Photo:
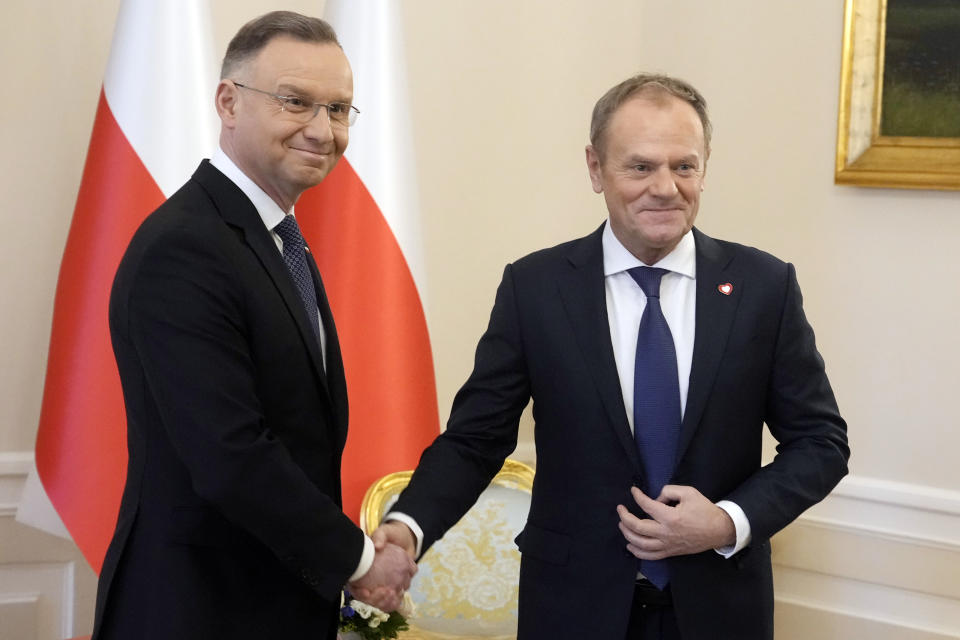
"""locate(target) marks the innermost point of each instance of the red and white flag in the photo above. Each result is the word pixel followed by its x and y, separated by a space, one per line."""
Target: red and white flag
pixel 362 224
pixel 154 121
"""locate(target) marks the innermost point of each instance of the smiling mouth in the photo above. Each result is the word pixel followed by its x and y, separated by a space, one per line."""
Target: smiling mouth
pixel 311 152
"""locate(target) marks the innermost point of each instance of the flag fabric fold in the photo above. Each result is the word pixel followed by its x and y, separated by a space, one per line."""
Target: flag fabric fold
pixel 153 122
pixel 362 224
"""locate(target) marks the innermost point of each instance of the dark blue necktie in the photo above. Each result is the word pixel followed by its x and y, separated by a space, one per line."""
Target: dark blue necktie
pixel 294 254
pixel 656 401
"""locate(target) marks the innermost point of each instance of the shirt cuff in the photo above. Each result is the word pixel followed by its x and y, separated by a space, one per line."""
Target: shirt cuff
pixel 366 559
pixel 740 524
pixel 410 522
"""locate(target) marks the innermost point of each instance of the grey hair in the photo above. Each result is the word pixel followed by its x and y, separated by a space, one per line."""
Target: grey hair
pixel 256 34
pixel 644 83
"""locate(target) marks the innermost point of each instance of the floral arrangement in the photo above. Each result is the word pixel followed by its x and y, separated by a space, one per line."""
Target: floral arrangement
pixel 367 622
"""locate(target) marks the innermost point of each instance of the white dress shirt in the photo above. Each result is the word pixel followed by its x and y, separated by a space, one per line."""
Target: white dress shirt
pixel 678 300
pixel 271 214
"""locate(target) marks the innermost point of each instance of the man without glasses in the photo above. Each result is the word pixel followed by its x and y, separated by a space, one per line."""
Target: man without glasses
pixel 654 355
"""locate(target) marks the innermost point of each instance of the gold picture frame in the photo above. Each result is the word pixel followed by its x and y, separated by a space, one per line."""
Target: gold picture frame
pixel 865 157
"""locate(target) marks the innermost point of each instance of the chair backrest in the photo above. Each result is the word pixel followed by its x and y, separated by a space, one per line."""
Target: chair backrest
pixel 468 580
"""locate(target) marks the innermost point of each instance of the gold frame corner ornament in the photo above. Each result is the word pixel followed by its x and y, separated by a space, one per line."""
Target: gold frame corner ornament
pixel 864 157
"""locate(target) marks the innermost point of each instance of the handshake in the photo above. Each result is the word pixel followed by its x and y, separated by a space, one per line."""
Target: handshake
pixel 384 584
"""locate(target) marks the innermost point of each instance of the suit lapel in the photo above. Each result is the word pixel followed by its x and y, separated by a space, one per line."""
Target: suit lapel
pixel 715 314
pixel 584 299
pixel 238 211
pixel 335 380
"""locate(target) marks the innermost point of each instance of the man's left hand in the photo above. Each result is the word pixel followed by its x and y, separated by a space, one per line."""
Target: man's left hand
pixel 682 521
pixel 386 580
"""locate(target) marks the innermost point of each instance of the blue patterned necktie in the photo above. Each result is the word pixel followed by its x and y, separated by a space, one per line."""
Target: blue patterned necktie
pixel 656 401
pixel 294 254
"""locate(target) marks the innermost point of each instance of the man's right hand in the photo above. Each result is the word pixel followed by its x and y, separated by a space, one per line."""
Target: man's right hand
pixel 389 576
pixel 395 532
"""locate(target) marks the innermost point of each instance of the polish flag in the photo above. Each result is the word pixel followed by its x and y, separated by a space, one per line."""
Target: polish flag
pixel 362 224
pixel 154 121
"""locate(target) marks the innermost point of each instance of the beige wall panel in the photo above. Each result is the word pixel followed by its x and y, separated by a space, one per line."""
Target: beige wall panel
pixel 18 617
pixel 792 621
pixel 54 54
pixel 873 557
pixel 36 564
pixel 502 93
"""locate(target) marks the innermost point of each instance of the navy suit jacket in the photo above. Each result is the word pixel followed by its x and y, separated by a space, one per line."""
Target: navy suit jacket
pixel 230 524
pixel 754 362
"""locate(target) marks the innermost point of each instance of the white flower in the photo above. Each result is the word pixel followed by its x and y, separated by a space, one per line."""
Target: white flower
pixel 362 608
pixel 407 608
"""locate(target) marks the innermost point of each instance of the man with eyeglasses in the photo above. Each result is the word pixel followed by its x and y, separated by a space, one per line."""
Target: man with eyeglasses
pixel 231 523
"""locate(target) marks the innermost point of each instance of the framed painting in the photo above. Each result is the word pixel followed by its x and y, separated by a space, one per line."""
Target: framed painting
pixel 899 122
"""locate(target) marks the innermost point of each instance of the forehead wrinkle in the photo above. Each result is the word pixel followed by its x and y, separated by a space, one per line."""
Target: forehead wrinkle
pixel 293 64
pixel 679 154
pixel 293 88
pixel 321 93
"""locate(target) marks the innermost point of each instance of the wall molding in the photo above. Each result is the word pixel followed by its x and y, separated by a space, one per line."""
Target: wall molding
pixel 895 511
pixel 800 619
pixel 14 467
pixel 15 462
pixel 48 589
pixel 877 559
pixel 915 496
pixel 831 603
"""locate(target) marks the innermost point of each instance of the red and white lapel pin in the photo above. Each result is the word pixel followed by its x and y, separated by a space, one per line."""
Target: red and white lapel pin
pixel 726 288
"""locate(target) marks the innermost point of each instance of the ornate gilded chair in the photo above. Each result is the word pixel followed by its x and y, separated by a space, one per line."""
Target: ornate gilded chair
pixel 468 580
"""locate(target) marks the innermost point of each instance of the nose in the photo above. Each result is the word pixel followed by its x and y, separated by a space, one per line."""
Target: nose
pixel 319 127
pixel 663 184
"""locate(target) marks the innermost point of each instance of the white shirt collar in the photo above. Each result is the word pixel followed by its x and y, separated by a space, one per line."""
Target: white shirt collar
pixel 269 210
pixel 617 258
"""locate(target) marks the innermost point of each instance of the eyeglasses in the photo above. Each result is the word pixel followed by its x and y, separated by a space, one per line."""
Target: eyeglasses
pixel 302 110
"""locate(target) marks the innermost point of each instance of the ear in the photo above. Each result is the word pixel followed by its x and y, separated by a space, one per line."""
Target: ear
pixel 227 103
pixel 703 176
pixel 595 168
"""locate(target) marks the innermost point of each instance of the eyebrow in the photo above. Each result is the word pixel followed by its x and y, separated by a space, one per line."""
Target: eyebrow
pixel 692 158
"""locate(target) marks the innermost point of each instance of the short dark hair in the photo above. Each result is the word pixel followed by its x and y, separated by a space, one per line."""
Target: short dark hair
pixel 645 83
pixel 254 36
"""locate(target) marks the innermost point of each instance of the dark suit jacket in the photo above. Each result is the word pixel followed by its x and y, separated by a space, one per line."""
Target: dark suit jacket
pixel 754 361
pixel 231 523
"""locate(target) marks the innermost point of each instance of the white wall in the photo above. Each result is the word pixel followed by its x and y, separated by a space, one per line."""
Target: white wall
pixel 502 92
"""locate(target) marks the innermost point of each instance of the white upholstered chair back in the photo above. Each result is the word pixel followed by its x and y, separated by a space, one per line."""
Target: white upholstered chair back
pixel 467 584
